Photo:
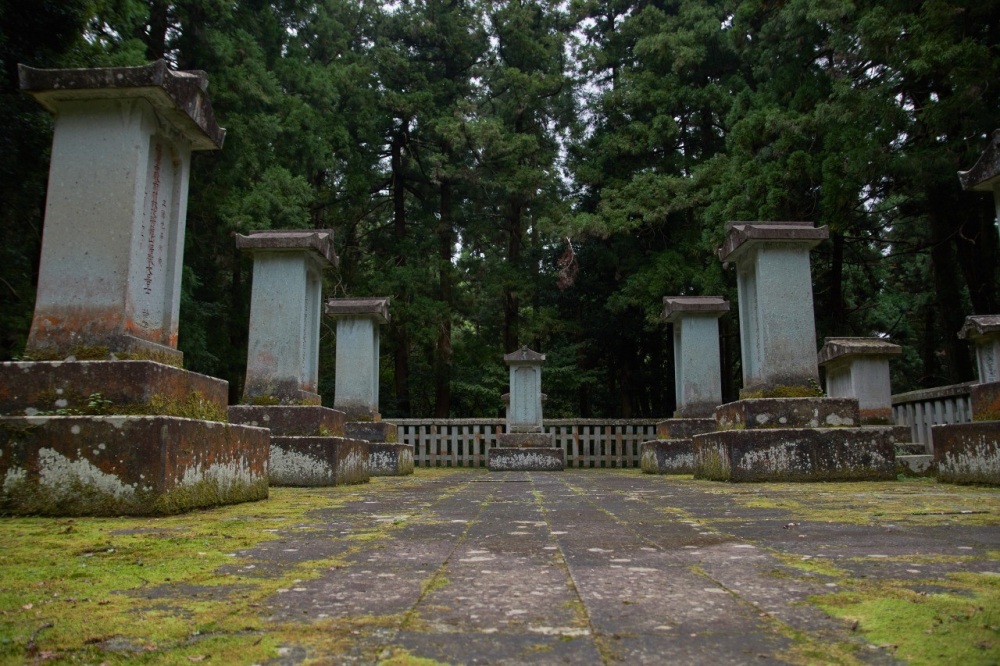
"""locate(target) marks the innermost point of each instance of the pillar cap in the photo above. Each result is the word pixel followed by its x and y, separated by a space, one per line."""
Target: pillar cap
pixel 178 96
pixel 318 242
pixel 743 234
pixel 985 175
pixel 977 326
pixel 835 348
pixel 675 307
pixel 376 308
pixel 524 356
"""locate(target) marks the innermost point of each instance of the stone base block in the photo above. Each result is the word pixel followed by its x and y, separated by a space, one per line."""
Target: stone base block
pixel 796 454
pixel 318 461
pixel 916 465
pixel 291 420
pixel 910 449
pixel 525 459
pixel 684 428
pixel 525 440
pixel 755 413
pixel 390 459
pixel 127 465
pixel 373 431
pixel 130 386
pixel 968 452
pixel 985 400
pixel 667 456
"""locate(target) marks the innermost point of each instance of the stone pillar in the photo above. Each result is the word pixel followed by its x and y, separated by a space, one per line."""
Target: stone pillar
pixel 984 332
pixel 356 390
pixel 697 379
pixel 107 437
pixel 285 308
pixel 777 327
pixel 110 271
pixel 859 368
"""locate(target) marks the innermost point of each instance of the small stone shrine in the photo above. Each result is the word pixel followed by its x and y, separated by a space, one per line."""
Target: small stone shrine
pixel 92 424
pixel 698 382
pixel 525 446
pixel 357 382
pixel 307 446
pixel 781 429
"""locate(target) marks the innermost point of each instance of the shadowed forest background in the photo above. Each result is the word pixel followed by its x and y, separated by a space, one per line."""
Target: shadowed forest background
pixel 543 173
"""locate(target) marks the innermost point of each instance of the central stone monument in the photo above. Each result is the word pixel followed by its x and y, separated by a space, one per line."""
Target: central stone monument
pixel 92 424
pixel 525 446
pixel 782 429
pixel 307 446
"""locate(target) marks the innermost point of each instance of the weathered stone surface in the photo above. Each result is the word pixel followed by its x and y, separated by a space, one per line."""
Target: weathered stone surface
pixel 376 308
pixel 968 452
pixel 985 401
pixel 318 461
pixel 667 456
pixel 290 420
pixel 373 431
pixel 758 413
pixel 916 465
pixel 318 242
pixel 145 386
pixel 697 373
pixel 526 440
pixel 524 407
pixel 358 340
pixel 683 428
pixel 859 368
pixel 984 332
pixel 796 454
pixel 115 465
pixel 739 234
pixel 519 459
pixel 385 459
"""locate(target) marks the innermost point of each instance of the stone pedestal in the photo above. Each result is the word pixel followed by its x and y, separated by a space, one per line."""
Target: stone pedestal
pixel 797 437
pixel 697 373
pixel 859 368
pixel 673 450
pixel 525 452
pixel 104 437
pixel 285 309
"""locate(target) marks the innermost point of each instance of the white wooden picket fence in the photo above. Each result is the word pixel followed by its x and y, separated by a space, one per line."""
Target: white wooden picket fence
pixel 921 409
pixel 464 442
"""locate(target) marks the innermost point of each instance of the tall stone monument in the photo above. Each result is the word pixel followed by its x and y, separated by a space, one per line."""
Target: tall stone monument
pixel 307 446
pixel 91 425
pixel 697 380
pixel 525 446
pixel 357 382
pixel 781 429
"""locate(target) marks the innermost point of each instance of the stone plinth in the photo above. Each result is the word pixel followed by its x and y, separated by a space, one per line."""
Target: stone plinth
pixel 683 428
pixel 110 272
pixel 697 373
pixel 318 461
pixel 285 308
pixel 801 454
pixel 859 368
pixel 525 459
pixel 373 431
pixel 667 456
pixel 127 465
pixel 984 332
pixel 387 459
pixel 524 413
pixel 526 440
pixel 125 387
pixel 777 330
pixel 357 382
pixel 763 413
pixel 290 420
pixel 968 452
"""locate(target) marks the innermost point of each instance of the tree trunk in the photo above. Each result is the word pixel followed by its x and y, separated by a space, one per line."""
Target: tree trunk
pixel 156 39
pixel 442 356
pixel 401 343
pixel 511 302
pixel 978 254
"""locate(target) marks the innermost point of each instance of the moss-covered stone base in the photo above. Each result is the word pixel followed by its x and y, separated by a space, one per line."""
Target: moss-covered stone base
pixel 387 459
pixel 525 459
pixel 318 461
pixel 968 452
pixel 291 420
pixel 760 413
pixel 127 465
pixel 667 456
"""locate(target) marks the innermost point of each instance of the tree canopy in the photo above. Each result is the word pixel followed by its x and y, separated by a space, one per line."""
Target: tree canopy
pixel 529 172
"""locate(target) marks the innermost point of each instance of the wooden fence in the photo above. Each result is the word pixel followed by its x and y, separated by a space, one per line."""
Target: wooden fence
pixel 921 409
pixel 464 442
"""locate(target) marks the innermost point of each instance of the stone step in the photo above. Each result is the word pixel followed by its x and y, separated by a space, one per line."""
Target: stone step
pixel 762 413
pixel 318 461
pixel 291 420
pixel 909 449
pixel 525 459
pixel 684 428
pixel 667 456
pixel 915 465
pixel 390 459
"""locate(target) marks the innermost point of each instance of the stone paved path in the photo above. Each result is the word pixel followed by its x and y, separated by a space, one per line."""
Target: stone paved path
pixel 607 566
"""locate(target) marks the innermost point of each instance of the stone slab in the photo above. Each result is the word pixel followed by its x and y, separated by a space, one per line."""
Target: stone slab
pixel 837 348
pixel 46 386
pixel 915 465
pixel 759 413
pixel 667 456
pixel 376 308
pixel 318 461
pixel 968 452
pixel 127 465
pixel 526 440
pixel 796 454
pixel 290 420
pixel 985 400
pixel 741 234
pixel 683 428
pixel 373 431
pixel 318 241
pixel 387 459
pixel 520 459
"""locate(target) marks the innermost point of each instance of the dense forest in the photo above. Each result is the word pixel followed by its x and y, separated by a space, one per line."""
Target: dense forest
pixel 529 172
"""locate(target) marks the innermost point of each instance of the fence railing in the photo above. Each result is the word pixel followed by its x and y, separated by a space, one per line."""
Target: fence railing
pixel 464 442
pixel 921 409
